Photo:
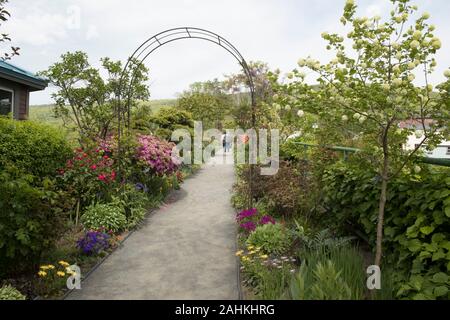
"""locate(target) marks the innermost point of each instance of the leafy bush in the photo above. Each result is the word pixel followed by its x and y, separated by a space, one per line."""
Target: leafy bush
pixel 271 238
pixel 104 216
pixel 417 224
pixel 32 148
pixel 29 220
pixel 10 293
pixel 285 193
pixel 171 119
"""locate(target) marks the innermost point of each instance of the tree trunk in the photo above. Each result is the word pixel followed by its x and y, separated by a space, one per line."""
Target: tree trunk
pixel 381 209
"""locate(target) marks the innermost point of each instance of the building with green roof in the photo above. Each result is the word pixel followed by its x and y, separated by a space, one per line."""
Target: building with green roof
pixel 15 87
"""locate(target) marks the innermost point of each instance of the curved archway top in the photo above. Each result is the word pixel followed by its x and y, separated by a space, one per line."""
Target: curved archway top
pixel 171 35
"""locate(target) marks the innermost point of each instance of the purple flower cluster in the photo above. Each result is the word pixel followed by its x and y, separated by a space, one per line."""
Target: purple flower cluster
pixel 157 154
pixel 94 242
pixel 249 219
pixel 267 220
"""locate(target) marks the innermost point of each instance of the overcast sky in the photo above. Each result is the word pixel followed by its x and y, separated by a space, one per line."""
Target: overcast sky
pixel 278 32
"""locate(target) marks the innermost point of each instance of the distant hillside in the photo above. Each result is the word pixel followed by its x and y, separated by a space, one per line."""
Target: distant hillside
pixel 44 113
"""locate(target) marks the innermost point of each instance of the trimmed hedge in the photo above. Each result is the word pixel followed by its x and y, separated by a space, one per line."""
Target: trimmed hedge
pixel 33 148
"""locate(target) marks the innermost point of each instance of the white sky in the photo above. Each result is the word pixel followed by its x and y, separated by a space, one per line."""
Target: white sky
pixel 278 32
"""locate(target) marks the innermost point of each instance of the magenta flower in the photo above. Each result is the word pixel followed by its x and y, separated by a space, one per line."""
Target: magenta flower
pixel 267 220
pixel 249 226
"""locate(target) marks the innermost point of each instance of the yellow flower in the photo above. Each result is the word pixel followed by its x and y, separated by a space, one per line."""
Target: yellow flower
pixel 60 274
pixel 44 268
pixel 51 267
pixel 264 256
pixel 64 263
pixel 239 253
pixel 252 252
pixel 250 247
pixel 42 274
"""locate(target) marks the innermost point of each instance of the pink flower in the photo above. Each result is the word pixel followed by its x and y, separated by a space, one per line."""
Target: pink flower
pixel 93 167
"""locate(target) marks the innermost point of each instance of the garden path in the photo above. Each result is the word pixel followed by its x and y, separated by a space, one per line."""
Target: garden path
pixel 185 250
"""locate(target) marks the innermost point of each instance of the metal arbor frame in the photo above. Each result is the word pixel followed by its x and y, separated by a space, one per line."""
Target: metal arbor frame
pixel 155 42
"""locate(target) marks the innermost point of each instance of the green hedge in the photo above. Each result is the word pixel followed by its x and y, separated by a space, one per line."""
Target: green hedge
pixel 30 156
pixel 29 221
pixel 33 148
pixel 417 223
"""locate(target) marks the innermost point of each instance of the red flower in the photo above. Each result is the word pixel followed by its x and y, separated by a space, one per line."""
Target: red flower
pixel 102 177
pixel 105 157
pixel 113 175
pixel 93 167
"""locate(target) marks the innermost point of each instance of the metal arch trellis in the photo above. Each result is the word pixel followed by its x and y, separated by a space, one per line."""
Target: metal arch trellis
pixel 152 44
pixel 155 42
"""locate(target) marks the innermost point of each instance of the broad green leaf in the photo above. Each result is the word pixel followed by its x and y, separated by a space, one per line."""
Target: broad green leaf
pixel 427 230
pixel 447 211
pixel 440 291
pixel 440 278
pixel 414 245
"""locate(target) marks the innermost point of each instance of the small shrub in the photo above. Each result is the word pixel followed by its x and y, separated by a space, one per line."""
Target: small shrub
pixel 104 216
pixel 271 238
pixel 10 293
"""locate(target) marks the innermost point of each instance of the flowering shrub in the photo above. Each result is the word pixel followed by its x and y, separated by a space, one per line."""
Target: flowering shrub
pixel 250 219
pixel 94 242
pixel 90 173
pixel 157 155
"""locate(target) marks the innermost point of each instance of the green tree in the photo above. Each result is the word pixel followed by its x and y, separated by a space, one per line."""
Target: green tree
pixel 170 119
pixel 370 87
pixel 88 101
pixel 205 107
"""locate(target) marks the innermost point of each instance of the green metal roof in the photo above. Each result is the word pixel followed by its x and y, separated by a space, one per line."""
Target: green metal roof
pixel 16 74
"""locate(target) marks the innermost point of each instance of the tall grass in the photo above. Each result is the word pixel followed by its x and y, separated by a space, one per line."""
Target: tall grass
pixel 347 262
